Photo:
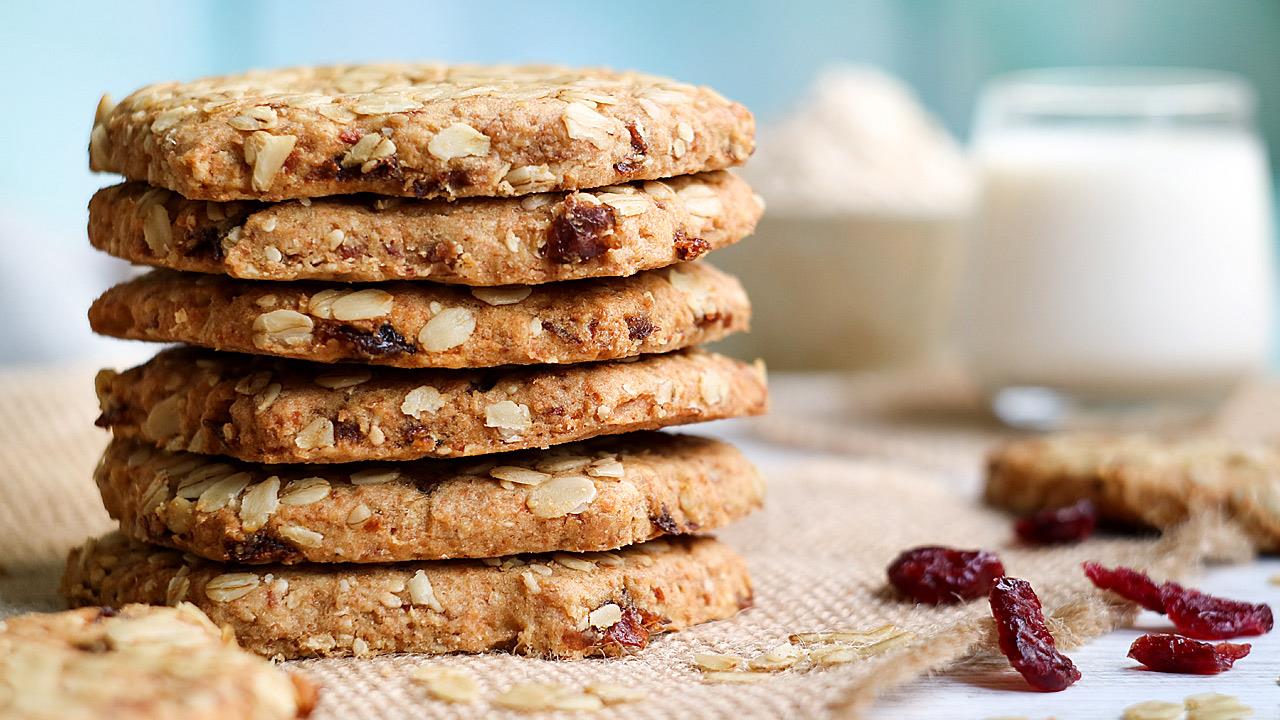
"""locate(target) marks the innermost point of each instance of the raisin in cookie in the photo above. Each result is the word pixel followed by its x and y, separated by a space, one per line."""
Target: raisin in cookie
pixel 596 495
pixel 549 237
pixel 278 411
pixel 425 325
pixel 1139 479
pixel 138 663
pixel 415 130
pixel 564 605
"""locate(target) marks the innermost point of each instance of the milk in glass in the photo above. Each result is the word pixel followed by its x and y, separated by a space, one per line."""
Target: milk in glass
pixel 1122 248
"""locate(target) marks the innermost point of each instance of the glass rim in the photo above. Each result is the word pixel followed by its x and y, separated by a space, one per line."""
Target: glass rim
pixel 1121 91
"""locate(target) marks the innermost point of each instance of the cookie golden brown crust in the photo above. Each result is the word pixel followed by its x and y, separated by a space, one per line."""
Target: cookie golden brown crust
pixel 424 325
pixel 138 663
pixel 415 130
pixel 596 495
pixel 265 410
pixel 1139 479
pixel 614 232
pixel 565 606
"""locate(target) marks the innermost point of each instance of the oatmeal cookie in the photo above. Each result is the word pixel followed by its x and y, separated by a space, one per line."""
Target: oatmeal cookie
pixel 1144 480
pixel 138 663
pixel 565 606
pixel 549 237
pixel 425 325
pixel 595 495
pixel 415 130
pixel 277 411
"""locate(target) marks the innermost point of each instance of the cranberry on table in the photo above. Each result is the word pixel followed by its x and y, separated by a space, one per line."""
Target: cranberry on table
pixel 940 575
pixel 1163 652
pixel 1128 583
pixel 1058 526
pixel 1206 617
pixel 1025 639
pixel 1192 612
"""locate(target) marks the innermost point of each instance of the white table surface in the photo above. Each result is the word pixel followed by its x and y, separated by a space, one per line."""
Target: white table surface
pixel 1111 681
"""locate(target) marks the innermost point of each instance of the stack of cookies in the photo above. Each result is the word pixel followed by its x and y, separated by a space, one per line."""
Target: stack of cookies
pixel 431 317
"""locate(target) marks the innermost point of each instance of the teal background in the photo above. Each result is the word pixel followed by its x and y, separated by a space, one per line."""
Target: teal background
pixel 62 55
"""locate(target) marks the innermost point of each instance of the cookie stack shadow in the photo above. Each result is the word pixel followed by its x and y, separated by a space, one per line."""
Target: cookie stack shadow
pixel 430 320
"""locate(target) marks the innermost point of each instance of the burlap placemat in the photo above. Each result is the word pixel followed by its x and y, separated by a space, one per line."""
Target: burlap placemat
pixel 817 554
pixel 936 419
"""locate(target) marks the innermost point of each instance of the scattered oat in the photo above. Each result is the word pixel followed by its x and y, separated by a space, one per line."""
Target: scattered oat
pixel 734 677
pixel 448 684
pixel 1153 710
pixel 711 662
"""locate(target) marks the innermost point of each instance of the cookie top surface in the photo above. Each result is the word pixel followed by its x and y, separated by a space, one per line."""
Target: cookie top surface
pixel 415 130
pixel 1143 479
pixel 140 662
pixel 427 325
pixel 596 495
pixel 266 410
pixel 548 237
pixel 562 605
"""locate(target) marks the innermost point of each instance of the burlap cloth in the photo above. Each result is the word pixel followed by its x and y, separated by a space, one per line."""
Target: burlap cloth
pixel 817 555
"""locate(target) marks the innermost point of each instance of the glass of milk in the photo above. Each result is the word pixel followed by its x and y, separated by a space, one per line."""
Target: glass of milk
pixel 1121 268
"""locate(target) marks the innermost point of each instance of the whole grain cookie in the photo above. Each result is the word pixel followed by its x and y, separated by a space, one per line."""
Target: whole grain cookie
pixel 564 605
pixel 278 411
pixel 550 237
pixel 1140 479
pixel 415 130
pixel 138 663
pixel 595 495
pixel 424 325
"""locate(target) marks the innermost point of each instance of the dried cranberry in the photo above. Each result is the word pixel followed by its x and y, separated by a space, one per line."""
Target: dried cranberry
pixel 1056 526
pixel 1025 639
pixel 1128 584
pixel 1173 654
pixel 940 575
pixel 1193 613
pixel 1198 615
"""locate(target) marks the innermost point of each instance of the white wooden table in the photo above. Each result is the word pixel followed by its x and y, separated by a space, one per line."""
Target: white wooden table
pixel 1111 680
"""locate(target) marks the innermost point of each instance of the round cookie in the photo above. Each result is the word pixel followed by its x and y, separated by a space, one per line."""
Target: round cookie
pixel 266 410
pixel 1144 480
pixel 596 495
pixel 424 325
pixel 550 237
pixel 565 606
pixel 415 130
pixel 138 663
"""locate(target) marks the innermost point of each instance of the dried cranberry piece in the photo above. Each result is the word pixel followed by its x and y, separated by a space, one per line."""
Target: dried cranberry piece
pixel 1128 584
pixel 1173 654
pixel 1198 615
pixel 1056 526
pixel 940 575
pixel 1025 639
pixel 1193 613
